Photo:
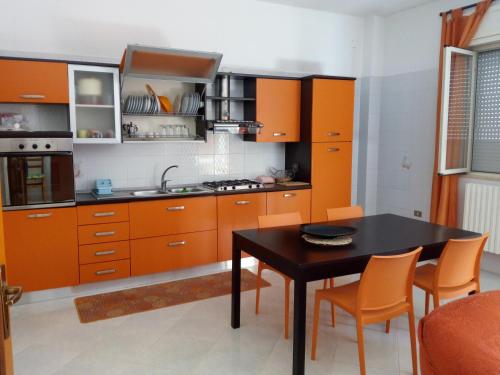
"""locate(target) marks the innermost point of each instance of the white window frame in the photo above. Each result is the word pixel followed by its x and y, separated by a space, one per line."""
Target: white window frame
pixel 443 136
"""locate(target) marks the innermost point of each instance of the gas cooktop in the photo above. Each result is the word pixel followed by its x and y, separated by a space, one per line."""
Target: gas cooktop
pixel 228 185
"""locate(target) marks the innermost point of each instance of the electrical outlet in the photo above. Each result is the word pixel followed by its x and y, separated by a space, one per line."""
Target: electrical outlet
pixel 417 213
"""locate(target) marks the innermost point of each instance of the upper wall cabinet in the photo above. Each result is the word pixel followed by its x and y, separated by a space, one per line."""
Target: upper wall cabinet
pixel 94 105
pixel 23 81
pixel 332 110
pixel 278 109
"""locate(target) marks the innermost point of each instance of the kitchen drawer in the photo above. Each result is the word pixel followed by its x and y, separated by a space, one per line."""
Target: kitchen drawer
pixel 98 233
pixel 41 248
pixel 24 81
pixel 117 269
pixel 102 213
pixel 282 202
pixel 104 252
pixel 172 216
pixel 159 254
pixel 237 212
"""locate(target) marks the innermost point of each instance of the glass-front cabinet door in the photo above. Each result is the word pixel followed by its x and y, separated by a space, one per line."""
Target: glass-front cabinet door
pixel 94 104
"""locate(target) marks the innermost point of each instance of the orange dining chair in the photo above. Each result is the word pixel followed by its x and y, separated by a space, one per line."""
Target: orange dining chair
pixel 271 221
pixel 456 273
pixel 383 292
pixel 342 213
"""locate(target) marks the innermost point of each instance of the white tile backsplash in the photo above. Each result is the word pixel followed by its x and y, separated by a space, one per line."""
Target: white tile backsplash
pixel 223 156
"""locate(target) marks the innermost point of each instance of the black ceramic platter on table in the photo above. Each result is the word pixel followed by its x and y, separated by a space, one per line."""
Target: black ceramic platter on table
pixel 327 231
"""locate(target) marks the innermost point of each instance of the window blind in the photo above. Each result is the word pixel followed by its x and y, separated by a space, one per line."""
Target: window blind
pixel 486 144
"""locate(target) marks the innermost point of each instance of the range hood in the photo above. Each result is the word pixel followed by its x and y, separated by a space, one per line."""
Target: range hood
pixel 234 126
pixel 145 62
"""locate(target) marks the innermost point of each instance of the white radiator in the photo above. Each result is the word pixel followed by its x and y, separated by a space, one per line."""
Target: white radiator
pixel 482 212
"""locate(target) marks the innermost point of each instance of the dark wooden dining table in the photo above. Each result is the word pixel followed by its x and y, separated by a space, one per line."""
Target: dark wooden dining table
pixel 283 249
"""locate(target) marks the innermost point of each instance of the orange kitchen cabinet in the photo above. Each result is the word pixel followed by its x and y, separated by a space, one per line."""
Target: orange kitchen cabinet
pixel 104 252
pixel 172 216
pixel 98 233
pixel 282 202
pixel 102 213
pixel 278 109
pixel 332 110
pixel 236 212
pixel 41 248
pixel 166 253
pixel 330 177
pixel 104 271
pixel 23 81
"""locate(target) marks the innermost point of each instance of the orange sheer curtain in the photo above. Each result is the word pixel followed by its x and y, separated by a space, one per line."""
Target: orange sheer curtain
pixel 457 30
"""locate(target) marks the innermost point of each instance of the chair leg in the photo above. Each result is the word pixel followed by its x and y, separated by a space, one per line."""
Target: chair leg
pixel 333 314
pixel 426 303
pixel 317 303
pixel 287 305
pixel 361 347
pixel 257 287
pixel 435 300
pixel 387 326
pixel 324 284
pixel 413 340
pixel 331 282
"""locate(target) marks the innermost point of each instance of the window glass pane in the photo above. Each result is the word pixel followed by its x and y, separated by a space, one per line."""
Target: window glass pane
pixel 459 111
pixel 486 146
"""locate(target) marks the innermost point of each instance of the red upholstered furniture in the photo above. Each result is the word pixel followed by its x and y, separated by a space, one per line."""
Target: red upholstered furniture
pixel 462 337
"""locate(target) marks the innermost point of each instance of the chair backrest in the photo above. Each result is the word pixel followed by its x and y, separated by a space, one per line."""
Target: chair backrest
pixel 342 213
pixel 280 220
pixel 460 262
pixel 387 281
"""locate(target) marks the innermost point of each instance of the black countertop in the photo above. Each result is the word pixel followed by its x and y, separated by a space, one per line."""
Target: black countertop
pixel 125 195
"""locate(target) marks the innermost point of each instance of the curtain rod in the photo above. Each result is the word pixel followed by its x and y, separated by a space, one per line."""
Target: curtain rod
pixel 463 8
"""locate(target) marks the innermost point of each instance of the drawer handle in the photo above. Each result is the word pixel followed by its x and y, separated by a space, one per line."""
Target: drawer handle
pixel 105 272
pixel 176 208
pixel 32 96
pixel 242 203
pixel 177 243
pixel 279 134
pixel 40 216
pixel 289 195
pixel 104 214
pixel 105 234
pixel 333 134
pixel 105 252
pixel 333 149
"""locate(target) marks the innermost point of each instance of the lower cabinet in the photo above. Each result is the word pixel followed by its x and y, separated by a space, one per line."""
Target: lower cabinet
pixel 104 271
pixel 166 253
pixel 283 202
pixel 41 248
pixel 237 212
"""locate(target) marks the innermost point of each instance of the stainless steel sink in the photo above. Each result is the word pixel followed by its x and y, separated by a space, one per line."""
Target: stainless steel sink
pixel 148 193
pixel 187 190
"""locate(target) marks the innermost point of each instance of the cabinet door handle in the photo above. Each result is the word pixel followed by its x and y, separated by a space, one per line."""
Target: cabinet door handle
pixel 333 134
pixel 104 214
pixel 105 252
pixel 105 272
pixel 40 216
pixel 289 195
pixel 333 149
pixel 177 243
pixel 105 234
pixel 242 203
pixel 32 96
pixel 176 208
pixel 279 134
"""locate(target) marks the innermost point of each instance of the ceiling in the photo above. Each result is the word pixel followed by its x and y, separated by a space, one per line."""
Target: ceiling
pixel 355 7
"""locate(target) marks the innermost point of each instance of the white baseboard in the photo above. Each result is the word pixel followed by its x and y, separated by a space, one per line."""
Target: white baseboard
pixel 131 282
pixel 491 262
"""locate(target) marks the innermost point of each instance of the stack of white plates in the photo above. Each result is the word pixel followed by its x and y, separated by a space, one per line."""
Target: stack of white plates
pixel 188 104
pixel 145 104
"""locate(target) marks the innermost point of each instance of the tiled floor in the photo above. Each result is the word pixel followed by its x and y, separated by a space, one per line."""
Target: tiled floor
pixel 196 338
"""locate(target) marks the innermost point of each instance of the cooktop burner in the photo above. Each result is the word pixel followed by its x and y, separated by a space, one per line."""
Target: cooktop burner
pixel 227 185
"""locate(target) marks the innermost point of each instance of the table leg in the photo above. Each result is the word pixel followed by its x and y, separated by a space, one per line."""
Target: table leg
pixel 299 326
pixel 236 285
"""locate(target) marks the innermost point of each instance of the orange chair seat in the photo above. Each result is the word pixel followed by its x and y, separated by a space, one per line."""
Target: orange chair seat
pixel 424 279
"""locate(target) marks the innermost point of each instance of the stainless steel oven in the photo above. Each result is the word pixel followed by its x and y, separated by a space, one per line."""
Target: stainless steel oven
pixel 36 169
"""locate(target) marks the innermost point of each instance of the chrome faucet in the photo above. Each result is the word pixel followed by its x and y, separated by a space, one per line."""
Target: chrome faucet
pixel 163 182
